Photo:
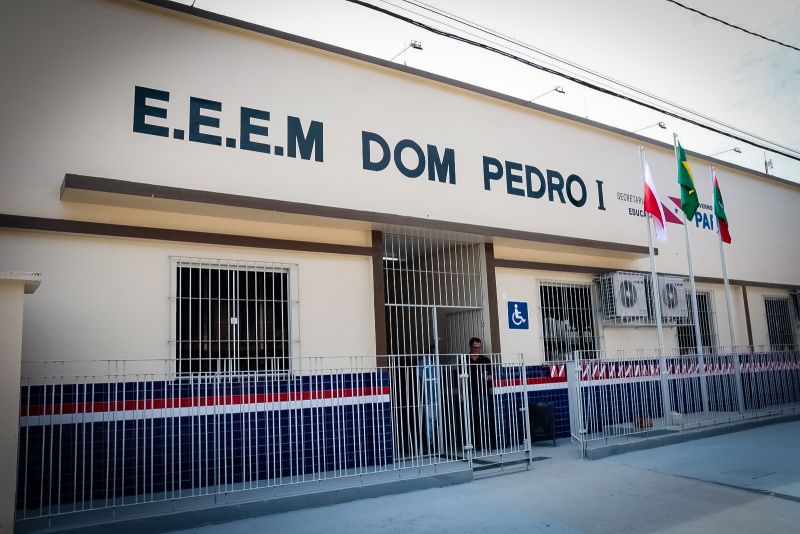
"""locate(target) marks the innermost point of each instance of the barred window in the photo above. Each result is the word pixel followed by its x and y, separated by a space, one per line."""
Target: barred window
pixel 231 316
pixel 779 324
pixel 568 323
pixel 687 341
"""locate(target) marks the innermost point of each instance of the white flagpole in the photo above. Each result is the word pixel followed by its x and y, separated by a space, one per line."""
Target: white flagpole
pixel 724 271
pixel 734 348
pixel 666 401
pixel 701 363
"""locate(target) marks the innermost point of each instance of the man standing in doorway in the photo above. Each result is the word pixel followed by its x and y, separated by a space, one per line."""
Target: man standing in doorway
pixel 480 384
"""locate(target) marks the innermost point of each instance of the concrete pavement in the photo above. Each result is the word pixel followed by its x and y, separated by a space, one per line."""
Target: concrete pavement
pixel 687 487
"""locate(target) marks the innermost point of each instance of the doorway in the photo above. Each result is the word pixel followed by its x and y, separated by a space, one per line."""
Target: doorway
pixel 434 298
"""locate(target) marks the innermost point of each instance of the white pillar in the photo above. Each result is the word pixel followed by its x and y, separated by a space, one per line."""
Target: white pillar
pixel 13 287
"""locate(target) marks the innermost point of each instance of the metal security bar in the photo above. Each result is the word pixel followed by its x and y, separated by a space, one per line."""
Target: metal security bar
pixel 99 436
pixel 433 294
pixel 687 341
pixel 458 411
pixel 495 404
pixel 613 400
pixel 233 315
pixel 424 271
pixel 780 323
pixel 434 304
pixel 568 323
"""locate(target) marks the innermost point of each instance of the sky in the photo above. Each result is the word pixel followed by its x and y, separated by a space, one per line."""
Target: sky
pixel 652 45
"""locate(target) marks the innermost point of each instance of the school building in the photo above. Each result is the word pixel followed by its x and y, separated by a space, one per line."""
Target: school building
pixel 254 262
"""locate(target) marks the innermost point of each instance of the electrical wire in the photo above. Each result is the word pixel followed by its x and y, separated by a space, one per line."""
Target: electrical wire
pixel 745 30
pixel 571 78
pixel 522 44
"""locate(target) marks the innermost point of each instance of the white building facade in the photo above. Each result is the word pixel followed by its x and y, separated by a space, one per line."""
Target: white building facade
pixel 204 196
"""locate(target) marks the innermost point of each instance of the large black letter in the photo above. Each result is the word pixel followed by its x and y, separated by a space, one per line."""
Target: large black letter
pixel 575 179
pixel 555 182
pixel 398 158
pixel 142 110
pixel 443 167
pixel 366 161
pixel 534 193
pixel 197 119
pixel 295 139
pixel 246 128
pixel 600 204
pixel 489 175
pixel 512 178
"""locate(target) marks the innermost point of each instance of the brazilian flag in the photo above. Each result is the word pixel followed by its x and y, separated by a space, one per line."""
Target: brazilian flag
pixel 689 200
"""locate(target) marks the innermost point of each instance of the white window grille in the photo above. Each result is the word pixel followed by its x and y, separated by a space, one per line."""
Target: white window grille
pixel 433 294
pixel 780 323
pixel 424 271
pixel 687 340
pixel 233 316
pixel 568 322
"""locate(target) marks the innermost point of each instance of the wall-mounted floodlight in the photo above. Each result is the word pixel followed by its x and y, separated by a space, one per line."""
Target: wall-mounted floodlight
pixel 556 89
pixel 734 149
pixel 660 124
pixel 416 45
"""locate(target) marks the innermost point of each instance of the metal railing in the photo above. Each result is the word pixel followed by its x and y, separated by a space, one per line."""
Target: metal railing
pixel 111 434
pixel 613 400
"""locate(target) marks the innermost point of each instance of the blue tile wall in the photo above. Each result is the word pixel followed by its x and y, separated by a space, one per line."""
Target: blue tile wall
pixel 68 463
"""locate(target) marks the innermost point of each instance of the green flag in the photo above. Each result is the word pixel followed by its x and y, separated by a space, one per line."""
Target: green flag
pixel 689 200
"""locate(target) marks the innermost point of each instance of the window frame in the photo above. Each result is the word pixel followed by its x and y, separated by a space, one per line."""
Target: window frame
pixel 233 362
pixel 713 334
pixel 790 319
pixel 590 311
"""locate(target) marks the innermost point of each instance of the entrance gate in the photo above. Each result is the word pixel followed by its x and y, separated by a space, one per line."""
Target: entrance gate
pixel 444 407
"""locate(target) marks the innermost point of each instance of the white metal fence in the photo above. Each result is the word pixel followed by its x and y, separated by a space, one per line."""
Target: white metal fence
pixel 613 400
pixel 107 435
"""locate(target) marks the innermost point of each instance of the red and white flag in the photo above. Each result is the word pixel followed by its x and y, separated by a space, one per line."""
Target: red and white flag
pixel 652 204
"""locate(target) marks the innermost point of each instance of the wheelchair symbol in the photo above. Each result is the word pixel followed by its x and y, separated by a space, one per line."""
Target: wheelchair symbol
pixel 517 317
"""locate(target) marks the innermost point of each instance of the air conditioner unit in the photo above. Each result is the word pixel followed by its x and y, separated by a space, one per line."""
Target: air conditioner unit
pixel 624 296
pixel 672 292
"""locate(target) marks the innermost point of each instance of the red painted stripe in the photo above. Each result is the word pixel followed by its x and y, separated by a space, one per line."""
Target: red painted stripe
pixel 547 380
pixel 530 381
pixel 189 402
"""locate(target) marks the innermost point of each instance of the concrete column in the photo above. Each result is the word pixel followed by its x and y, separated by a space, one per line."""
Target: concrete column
pixel 13 286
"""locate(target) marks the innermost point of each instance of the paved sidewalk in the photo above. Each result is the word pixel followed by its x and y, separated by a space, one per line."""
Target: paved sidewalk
pixel 764 459
pixel 677 488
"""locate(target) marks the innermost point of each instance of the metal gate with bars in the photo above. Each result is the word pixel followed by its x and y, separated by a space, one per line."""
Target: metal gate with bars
pixel 434 299
pixel 617 400
pixel 433 295
pixel 127 438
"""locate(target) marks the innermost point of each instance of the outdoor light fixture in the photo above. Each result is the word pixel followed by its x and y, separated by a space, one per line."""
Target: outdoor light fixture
pixel 556 89
pixel 734 149
pixel 416 45
pixel 767 164
pixel 660 124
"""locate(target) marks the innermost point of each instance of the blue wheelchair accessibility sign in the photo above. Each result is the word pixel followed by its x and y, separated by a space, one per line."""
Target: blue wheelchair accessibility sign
pixel 517 315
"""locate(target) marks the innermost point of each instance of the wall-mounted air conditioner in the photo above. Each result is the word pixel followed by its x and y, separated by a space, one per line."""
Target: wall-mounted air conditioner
pixel 672 293
pixel 623 297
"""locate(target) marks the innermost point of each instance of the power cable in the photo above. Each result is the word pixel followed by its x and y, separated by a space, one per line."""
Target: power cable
pixel 568 77
pixel 522 44
pixel 745 30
